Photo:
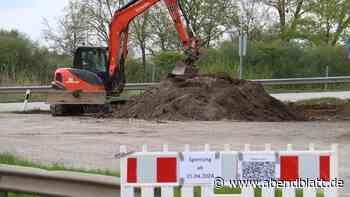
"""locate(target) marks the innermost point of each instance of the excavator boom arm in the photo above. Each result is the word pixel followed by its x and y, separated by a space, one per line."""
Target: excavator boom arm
pixel 118 41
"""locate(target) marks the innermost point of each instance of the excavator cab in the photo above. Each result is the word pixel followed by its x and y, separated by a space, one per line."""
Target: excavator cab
pixel 93 59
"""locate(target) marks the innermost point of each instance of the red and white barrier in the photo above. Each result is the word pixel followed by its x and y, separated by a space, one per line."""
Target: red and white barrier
pixel 168 170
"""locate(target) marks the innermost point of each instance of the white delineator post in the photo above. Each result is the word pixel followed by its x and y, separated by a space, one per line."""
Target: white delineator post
pixel 26 99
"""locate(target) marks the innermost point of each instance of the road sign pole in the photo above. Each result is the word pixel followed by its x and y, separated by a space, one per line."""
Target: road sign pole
pixel 154 73
pixel 327 75
pixel 242 53
pixel 241 60
pixel 348 48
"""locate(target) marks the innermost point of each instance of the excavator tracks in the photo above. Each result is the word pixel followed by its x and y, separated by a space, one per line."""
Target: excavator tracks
pixel 78 110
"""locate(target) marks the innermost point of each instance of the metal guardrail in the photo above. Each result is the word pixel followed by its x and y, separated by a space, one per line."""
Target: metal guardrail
pixel 56 183
pixel 138 86
pixel 142 86
pixel 306 81
pixel 47 89
pixel 23 89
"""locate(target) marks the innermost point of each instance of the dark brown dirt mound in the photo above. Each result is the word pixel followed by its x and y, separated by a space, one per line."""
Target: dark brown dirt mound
pixel 206 98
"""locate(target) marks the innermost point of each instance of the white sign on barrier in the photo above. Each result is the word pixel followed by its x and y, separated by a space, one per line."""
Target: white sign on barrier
pixel 199 168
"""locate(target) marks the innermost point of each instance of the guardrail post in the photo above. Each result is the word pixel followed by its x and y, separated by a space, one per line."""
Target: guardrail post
pixel 3 194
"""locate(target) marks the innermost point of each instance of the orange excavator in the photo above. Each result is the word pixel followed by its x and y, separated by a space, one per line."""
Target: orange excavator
pixel 100 71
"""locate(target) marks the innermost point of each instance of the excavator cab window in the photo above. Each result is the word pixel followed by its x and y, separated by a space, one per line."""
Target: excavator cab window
pixel 91 59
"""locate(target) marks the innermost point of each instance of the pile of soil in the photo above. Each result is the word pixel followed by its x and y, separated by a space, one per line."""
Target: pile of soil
pixel 207 98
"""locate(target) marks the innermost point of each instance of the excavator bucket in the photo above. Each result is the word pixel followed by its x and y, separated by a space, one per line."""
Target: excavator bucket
pixel 180 68
pixel 184 71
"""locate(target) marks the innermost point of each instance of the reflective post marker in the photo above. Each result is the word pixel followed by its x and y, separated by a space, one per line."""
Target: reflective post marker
pixel 26 99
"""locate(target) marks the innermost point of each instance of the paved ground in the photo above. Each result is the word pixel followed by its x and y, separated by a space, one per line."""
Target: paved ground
pixel 10 107
pixel 92 143
pixel 311 95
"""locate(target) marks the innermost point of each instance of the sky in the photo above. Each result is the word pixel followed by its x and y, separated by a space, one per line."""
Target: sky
pixel 27 16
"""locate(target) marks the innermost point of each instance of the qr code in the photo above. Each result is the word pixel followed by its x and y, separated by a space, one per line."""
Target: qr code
pixel 258 171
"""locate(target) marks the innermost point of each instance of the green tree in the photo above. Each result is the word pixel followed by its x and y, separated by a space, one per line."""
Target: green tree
pixel 99 15
pixel 163 32
pixel 210 19
pixel 71 31
pixel 24 62
pixel 290 15
pixel 15 53
pixel 134 71
pixel 329 21
pixel 140 36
